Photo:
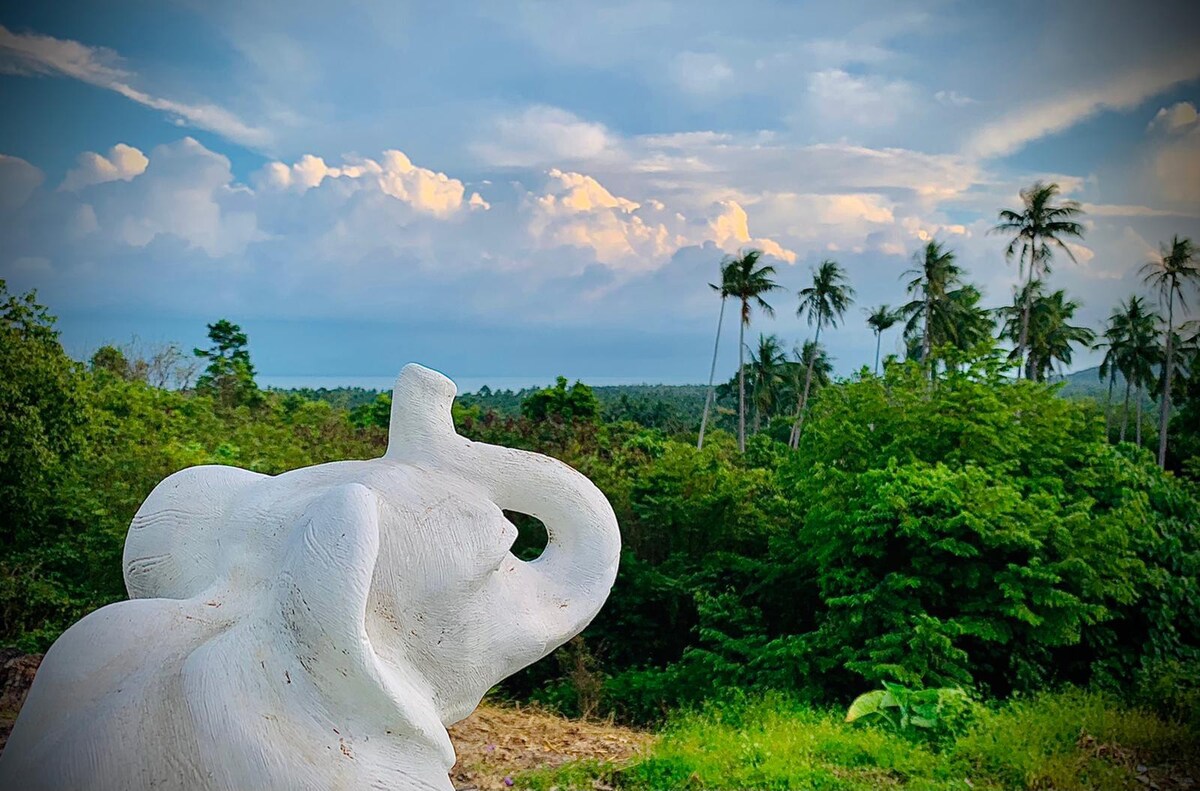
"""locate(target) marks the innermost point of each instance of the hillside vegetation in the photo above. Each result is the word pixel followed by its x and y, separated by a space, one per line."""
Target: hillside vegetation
pixel 969 532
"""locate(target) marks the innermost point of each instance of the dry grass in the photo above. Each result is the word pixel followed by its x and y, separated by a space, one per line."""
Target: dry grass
pixel 498 742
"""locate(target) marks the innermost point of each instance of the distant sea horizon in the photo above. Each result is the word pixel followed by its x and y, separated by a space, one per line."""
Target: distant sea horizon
pixel 466 384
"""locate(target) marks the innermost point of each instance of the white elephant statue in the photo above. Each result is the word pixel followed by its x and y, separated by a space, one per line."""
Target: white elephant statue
pixel 318 629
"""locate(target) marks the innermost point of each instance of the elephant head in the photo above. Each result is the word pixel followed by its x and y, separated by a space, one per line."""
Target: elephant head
pixel 360 606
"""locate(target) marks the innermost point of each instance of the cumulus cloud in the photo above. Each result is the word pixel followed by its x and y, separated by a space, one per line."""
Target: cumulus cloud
pixel 34 54
pixel 122 163
pixel 18 180
pixel 542 135
pixel 186 192
pixel 1174 119
pixel 576 210
pixel 394 175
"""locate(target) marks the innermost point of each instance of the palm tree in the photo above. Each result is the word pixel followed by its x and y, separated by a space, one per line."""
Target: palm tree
pixel 1039 224
pixel 932 312
pixel 723 291
pixel 766 366
pixel 1137 352
pixel 822 303
pixel 747 281
pixel 880 320
pixel 1175 265
pixel 1113 335
pixel 1051 336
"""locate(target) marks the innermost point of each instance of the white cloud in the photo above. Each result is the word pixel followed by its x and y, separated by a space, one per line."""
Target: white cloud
pixel 730 230
pixel 1119 210
pixel 33 54
pixel 953 99
pixel 1177 169
pixel 541 135
pixel 578 211
pixel 186 192
pixel 122 163
pixel 701 73
pixel 395 175
pixel 862 100
pixel 1174 119
pixel 1025 124
pixel 18 180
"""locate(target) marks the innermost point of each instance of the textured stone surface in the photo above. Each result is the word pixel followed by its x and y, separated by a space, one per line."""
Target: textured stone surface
pixel 321 628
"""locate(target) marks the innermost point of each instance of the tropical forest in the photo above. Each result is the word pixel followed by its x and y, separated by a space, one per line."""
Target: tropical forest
pixel 954 568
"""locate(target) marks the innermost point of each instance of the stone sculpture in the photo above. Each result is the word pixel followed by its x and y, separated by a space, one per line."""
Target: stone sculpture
pixel 318 629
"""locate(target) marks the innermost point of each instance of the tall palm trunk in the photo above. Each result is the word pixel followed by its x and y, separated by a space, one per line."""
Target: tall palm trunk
pixel 1125 409
pixel 1138 425
pixel 712 372
pixel 1168 369
pixel 742 378
pixel 878 339
pixel 1025 308
pixel 812 359
pixel 1112 377
pixel 927 340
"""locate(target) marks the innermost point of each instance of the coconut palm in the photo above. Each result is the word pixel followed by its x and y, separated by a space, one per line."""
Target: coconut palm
pixel 931 314
pixel 880 320
pixel 1039 224
pixel 747 282
pixel 1136 353
pixel 822 303
pixel 723 291
pixel 766 374
pixel 1175 266
pixel 1111 343
pixel 811 366
pixel 1051 335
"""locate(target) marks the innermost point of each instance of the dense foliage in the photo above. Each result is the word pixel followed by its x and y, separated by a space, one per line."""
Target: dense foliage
pixel 963 530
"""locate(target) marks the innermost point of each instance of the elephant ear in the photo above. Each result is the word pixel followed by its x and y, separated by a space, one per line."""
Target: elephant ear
pixel 321 593
pixel 173 541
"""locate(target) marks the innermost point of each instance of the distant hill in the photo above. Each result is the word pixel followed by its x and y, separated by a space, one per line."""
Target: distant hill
pixel 1088 384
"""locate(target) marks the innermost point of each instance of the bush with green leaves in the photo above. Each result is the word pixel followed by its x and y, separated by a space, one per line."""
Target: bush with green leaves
pixel 936 715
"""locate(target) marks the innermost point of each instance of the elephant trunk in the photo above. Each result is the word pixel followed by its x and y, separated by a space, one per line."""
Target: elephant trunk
pixel 572 578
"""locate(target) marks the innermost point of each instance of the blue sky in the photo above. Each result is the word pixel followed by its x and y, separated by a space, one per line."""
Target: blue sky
pixel 517 190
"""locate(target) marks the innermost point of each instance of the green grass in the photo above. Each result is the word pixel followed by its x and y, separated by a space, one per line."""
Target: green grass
pixel 1065 741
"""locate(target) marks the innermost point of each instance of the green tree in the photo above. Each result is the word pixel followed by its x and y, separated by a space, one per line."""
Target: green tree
pixel 934 312
pixel 822 303
pixel 1038 224
pixel 567 404
pixel 766 371
pixel 746 280
pixel 42 418
pixel 111 359
pixel 727 279
pixel 880 320
pixel 230 374
pixel 1137 357
pixel 1175 266
pixel 1109 365
pixel 1051 337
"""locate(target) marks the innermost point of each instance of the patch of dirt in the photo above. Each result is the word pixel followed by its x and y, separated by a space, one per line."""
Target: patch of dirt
pixel 16 675
pixel 496 742
pixel 493 744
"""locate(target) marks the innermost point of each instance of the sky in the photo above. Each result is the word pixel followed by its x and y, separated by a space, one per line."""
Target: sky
pixel 514 190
